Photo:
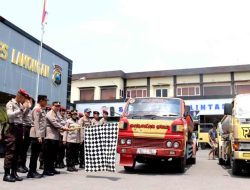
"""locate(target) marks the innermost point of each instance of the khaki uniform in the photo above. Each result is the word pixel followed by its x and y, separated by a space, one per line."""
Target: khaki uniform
pixel 73 139
pixel 38 130
pixel 14 134
pixel 103 121
pixel 39 122
pixel 51 140
pixel 84 121
pixel 95 122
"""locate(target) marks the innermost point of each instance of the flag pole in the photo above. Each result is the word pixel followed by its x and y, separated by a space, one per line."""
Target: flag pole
pixel 40 52
pixel 38 65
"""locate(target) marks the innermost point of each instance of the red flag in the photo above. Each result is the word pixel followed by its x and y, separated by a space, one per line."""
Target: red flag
pixel 44 12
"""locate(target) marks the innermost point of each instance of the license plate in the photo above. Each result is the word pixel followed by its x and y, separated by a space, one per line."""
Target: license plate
pixel 146 151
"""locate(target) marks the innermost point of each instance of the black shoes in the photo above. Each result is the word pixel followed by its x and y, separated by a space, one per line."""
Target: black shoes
pixel 70 169
pixel 48 173
pixel 55 172
pixel 7 177
pixel 34 175
pixel 15 176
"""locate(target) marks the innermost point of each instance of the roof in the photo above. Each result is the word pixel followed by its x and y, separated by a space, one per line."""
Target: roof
pixel 162 73
pixel 22 32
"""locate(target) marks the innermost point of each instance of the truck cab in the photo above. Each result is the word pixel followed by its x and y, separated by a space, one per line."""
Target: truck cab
pixel 156 129
pixel 235 126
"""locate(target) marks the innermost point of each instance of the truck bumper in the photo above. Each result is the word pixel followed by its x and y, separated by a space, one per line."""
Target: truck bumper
pixel 242 155
pixel 128 155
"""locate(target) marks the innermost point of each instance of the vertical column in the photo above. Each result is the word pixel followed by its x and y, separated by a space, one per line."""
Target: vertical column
pixel 174 85
pixel 201 85
pixel 233 84
pixel 148 86
pixel 124 89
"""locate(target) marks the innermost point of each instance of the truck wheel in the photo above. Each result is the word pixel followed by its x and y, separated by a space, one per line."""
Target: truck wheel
pixel 129 168
pixel 181 163
pixel 221 161
pixel 236 167
pixel 203 146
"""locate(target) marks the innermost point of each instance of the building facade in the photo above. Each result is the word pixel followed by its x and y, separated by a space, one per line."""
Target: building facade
pixel 19 66
pixel 206 90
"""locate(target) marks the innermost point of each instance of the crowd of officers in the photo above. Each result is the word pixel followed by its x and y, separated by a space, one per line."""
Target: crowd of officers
pixel 49 132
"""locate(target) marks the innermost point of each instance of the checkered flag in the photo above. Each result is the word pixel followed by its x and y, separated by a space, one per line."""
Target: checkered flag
pixel 100 147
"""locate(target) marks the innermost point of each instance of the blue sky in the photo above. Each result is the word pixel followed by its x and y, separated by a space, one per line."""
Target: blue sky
pixel 139 35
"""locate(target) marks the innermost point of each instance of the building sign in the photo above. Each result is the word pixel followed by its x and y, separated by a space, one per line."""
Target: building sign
pixel 208 107
pixel 23 60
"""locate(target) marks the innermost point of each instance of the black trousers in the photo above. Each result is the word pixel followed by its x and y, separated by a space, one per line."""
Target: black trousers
pixel 50 152
pixel 71 153
pixel 35 151
pixel 25 146
pixel 61 151
pixel 81 151
pixel 13 144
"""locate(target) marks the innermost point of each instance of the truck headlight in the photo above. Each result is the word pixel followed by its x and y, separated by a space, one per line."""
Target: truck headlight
pixel 176 145
pixel 123 141
pixel 169 144
pixel 129 142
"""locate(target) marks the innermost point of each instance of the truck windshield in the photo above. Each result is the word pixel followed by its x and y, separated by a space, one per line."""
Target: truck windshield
pixel 152 108
pixel 242 107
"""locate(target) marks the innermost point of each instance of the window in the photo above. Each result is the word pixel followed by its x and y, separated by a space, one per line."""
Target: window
pixel 188 91
pixel 134 93
pixel 87 93
pixel 162 92
pixel 242 89
pixel 108 93
pixel 217 90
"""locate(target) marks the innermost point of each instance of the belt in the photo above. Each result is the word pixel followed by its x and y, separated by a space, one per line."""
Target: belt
pixel 16 124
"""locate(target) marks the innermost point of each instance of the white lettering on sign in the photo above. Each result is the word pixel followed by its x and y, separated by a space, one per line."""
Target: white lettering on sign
pixel 208 107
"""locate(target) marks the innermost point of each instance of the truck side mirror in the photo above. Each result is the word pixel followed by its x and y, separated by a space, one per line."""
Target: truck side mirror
pixel 186 111
pixel 112 111
pixel 227 109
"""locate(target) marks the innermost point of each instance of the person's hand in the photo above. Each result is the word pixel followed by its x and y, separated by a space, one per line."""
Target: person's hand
pixel 40 140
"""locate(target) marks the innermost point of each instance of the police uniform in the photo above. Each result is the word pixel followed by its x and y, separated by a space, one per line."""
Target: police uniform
pixel 27 123
pixel 51 142
pixel 72 139
pixel 61 149
pixel 37 131
pixel 14 136
pixel 84 121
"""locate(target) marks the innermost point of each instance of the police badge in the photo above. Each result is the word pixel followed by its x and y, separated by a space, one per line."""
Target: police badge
pixel 57 75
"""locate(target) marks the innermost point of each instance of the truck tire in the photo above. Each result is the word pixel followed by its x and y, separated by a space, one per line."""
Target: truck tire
pixel 236 167
pixel 221 161
pixel 180 165
pixel 129 168
pixel 203 146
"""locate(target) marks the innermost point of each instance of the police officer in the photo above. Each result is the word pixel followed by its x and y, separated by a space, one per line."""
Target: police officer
pixel 61 149
pixel 27 122
pixel 104 119
pixel 96 119
pixel 37 134
pixel 72 140
pixel 53 129
pixel 14 135
pixel 84 121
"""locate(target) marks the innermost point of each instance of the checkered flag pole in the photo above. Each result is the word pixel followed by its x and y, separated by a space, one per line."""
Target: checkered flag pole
pixel 100 147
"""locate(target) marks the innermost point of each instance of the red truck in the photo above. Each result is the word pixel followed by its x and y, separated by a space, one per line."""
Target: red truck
pixel 153 129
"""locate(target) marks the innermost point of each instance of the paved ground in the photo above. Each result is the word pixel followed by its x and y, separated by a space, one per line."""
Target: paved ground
pixel 206 174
